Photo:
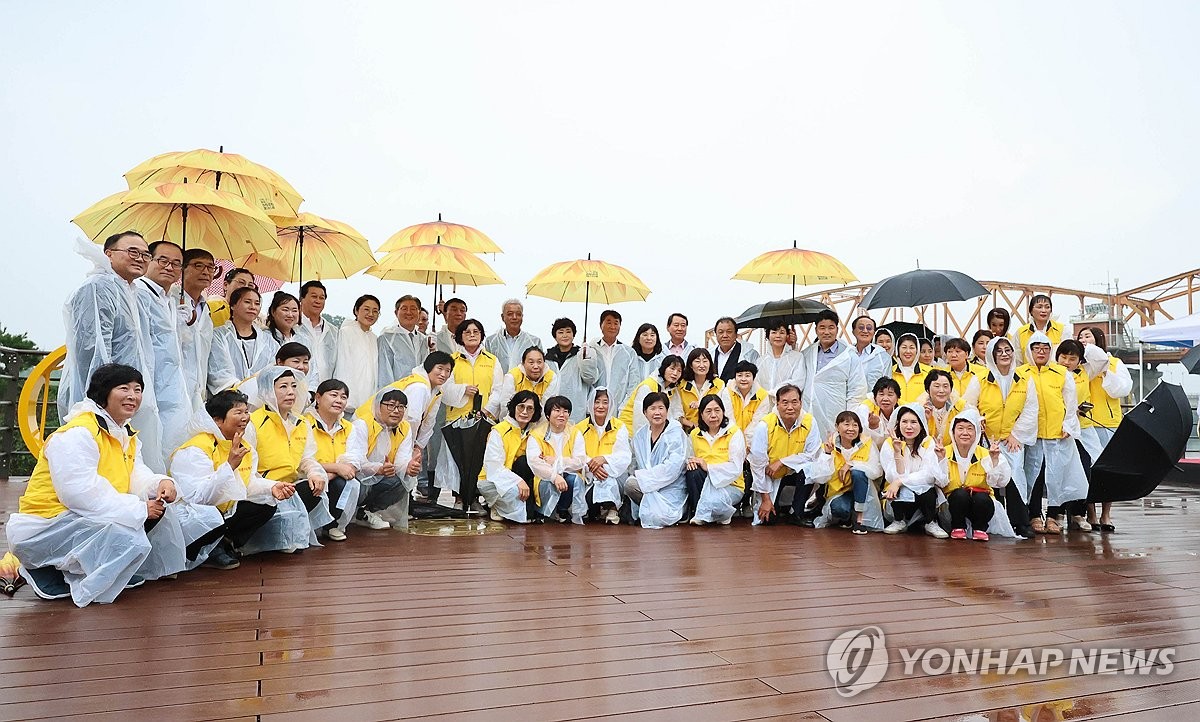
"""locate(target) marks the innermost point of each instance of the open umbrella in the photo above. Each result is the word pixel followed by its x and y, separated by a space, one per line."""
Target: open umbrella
pixel 792 311
pixel 10 577
pixel 922 287
pixel 258 185
pixel 1191 360
pixel 795 265
pixel 585 281
pixel 439 231
pixel 335 250
pixel 1149 442
pixel 899 328
pixel 431 265
pixel 190 214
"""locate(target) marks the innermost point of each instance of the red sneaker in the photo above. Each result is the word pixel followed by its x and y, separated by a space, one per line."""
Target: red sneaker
pixel 979 536
pixel 958 533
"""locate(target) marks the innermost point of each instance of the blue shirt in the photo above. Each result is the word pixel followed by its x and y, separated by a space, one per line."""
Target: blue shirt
pixel 824 357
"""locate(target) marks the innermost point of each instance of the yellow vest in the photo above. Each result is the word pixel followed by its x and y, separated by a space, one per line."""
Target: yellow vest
pixel 481 373
pixel 514 440
pixel 911 389
pixel 329 446
pixel 976 475
pixel 716 452
pixel 689 394
pixel 1083 394
pixel 835 487
pixel 743 411
pixel 979 369
pixel 116 466
pixel 366 410
pixel 218 311
pixel 782 443
pixel 1106 412
pixel 955 408
pixel 1053 330
pixel 627 413
pixel 279 453
pixel 1000 414
pixel 1052 410
pixel 218 450
pixel 524 383
pixel 963 380
pixel 398 434
pixel 549 452
pixel 599 441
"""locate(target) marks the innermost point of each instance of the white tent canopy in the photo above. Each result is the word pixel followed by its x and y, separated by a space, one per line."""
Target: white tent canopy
pixel 1186 329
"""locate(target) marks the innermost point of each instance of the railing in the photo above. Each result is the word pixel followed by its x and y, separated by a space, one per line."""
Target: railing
pixel 15 365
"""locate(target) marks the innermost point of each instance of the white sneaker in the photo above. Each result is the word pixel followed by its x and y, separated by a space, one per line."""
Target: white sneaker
pixel 895 527
pixel 935 530
pixel 1078 522
pixel 695 522
pixel 371 520
pixel 336 534
pixel 495 514
pixel 727 522
pixel 612 516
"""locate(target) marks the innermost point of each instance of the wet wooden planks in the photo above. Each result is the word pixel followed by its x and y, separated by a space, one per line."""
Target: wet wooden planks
pixel 562 623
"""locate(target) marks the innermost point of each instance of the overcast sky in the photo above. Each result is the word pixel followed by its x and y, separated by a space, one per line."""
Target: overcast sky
pixel 1037 142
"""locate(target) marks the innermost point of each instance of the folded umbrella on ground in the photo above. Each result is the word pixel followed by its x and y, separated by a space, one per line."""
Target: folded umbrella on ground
pixel 1149 442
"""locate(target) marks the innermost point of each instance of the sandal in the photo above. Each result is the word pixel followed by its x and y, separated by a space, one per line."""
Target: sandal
pixel 1038 525
pixel 1106 527
pixel 1053 526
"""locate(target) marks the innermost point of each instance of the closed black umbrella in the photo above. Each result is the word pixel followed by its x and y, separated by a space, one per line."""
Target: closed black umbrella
pixel 921 287
pixel 899 328
pixel 466 442
pixel 791 311
pixel 1191 360
pixel 1149 442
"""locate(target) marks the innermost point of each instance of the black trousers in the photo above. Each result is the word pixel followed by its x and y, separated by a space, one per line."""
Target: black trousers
pixel 521 468
pixel 976 506
pixel 926 503
pixel 304 490
pixel 246 519
pixel 694 480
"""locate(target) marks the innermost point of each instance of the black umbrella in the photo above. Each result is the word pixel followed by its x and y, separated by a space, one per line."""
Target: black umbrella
pixel 790 311
pixel 466 441
pixel 899 328
pixel 1149 442
pixel 921 287
pixel 1191 360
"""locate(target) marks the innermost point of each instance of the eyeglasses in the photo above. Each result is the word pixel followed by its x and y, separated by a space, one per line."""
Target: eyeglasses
pixel 392 405
pixel 1004 352
pixel 201 266
pixel 526 407
pixel 135 254
pixel 168 263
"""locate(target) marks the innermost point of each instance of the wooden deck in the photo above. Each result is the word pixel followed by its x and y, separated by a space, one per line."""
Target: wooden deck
pixel 559 623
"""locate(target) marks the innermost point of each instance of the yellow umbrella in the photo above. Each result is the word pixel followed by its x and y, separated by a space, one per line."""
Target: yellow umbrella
pixel 256 184
pixel 189 214
pixel 335 250
pixel 586 280
pixel 448 234
pixel 434 264
pixel 795 265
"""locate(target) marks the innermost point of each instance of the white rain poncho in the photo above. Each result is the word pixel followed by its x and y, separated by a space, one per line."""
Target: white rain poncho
pixel 997 478
pixel 839 385
pixel 659 472
pixel 399 352
pixel 99 543
pixel 508 350
pixel 619 377
pixel 920 470
pixel 368 458
pixel 500 488
pixel 562 460
pixel 508 389
pixel 322 343
pixel 649 366
pixel 616 464
pixel 876 364
pixel 357 361
pixel 759 457
pixel 351 493
pixel 719 496
pixel 1116 385
pixel 319 516
pixel 1064 477
pixel 104 324
pixel 1025 428
pixel 160 312
pixel 276 342
pixel 775 372
pixel 822 471
pixel 195 341
pixel 576 376
pixel 231 359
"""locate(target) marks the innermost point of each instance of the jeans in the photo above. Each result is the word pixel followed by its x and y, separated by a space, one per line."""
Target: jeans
pixel 844 506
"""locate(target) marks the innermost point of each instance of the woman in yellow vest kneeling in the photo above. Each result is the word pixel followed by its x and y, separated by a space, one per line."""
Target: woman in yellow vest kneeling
pixel 286 448
pixel 603 443
pixel 331 431
pixel 553 457
pixel 506 479
pixel 967 475
pixel 94 518
pixel 714 473
pixel 847 467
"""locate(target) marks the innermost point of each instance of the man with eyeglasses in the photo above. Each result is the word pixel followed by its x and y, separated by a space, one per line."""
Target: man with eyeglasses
pixel 195 326
pixel 105 325
pixel 159 316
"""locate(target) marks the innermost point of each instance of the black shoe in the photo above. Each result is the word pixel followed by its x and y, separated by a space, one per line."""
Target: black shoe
pixel 802 521
pixel 857 528
pixel 47 582
pixel 1027 532
pixel 134 581
pixel 221 558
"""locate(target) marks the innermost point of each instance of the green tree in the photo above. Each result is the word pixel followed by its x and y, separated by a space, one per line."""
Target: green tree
pixel 12 370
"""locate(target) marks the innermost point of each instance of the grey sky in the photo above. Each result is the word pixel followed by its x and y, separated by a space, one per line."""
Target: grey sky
pixel 1038 142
